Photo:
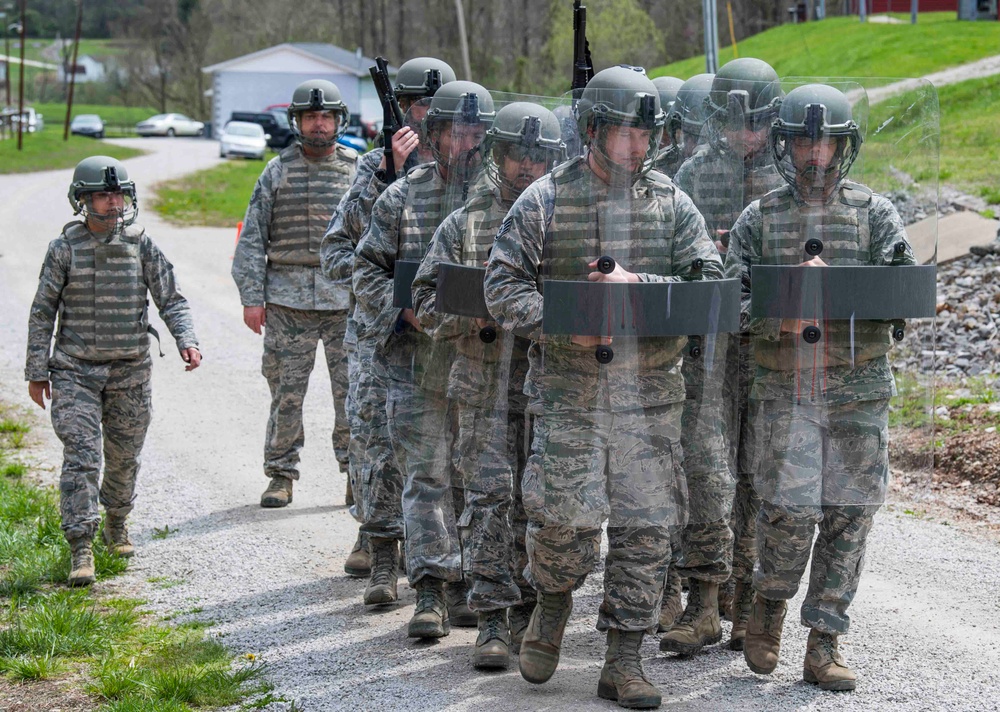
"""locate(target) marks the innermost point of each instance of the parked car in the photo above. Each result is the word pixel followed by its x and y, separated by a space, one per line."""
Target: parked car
pixel 242 138
pixel 87 125
pixel 274 123
pixel 169 125
pixel 352 141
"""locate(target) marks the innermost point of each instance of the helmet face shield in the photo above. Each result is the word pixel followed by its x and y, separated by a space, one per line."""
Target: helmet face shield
pixel 455 126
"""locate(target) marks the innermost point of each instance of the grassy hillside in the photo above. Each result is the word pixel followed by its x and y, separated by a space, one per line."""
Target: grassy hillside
pixel 46 151
pixel 843 46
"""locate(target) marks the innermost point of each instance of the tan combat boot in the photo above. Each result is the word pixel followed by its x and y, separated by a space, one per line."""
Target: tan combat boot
pixel 278 493
pixel 539 656
pixel 116 537
pixel 359 561
pixel 740 614
pixel 672 606
pixel 82 569
pixel 622 678
pixel 699 625
pixel 459 613
pixel 519 616
pixel 430 615
pixel 825 666
pixel 763 638
pixel 381 587
pixel 493 642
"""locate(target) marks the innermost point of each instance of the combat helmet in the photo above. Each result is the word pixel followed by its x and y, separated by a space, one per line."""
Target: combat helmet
pixel 99 174
pixel 317 95
pixel 421 77
pixel 668 88
pixel 458 103
pixel 745 93
pixel 620 96
pixel 812 112
pixel 522 130
pixel 688 115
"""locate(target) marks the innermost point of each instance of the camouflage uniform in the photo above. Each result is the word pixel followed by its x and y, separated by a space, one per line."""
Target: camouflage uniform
pixel 721 184
pixel 668 161
pixel 598 430
pixel 100 367
pixel 821 411
pixel 375 477
pixel 277 264
pixel 490 439
pixel 421 420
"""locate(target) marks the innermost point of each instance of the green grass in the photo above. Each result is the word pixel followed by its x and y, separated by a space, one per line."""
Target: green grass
pixel 104 645
pixel 115 117
pixel 46 151
pixel 216 197
pixel 843 46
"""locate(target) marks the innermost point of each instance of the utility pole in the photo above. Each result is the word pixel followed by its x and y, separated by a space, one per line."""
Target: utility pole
pixel 863 10
pixel 72 69
pixel 20 88
pixel 463 39
pixel 913 11
pixel 711 17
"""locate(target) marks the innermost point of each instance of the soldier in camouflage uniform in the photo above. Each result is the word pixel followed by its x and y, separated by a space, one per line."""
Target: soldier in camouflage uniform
pixel 375 478
pixel 521 146
pixel 283 290
pixel 820 409
pixel 670 155
pixel 724 175
pixel 600 431
pixel 98 375
pixel 420 417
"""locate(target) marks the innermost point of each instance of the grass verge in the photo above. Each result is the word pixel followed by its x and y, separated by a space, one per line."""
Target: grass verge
pixel 214 197
pixel 46 151
pixel 86 648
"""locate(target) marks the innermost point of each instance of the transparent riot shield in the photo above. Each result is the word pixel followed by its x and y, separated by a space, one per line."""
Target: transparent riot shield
pixel 842 300
pixel 486 379
pixel 422 421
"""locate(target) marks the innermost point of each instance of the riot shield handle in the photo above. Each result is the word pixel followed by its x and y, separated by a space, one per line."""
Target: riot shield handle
pixel 814 247
pixel 606 264
pixel 898 251
pixel 898 330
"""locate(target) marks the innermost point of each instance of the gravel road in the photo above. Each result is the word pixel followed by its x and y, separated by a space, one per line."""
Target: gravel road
pixel 927 617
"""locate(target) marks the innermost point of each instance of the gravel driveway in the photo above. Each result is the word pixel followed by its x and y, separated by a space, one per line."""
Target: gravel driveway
pixel 927 617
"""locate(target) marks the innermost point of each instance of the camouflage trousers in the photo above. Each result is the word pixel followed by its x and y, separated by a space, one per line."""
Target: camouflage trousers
pixel 587 467
pixel 98 406
pixel 422 426
pixel 489 457
pixel 710 382
pixel 379 487
pixel 290 339
pixel 824 466
pixel 742 446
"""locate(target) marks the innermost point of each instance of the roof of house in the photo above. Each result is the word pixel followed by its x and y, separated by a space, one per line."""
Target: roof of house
pixel 337 57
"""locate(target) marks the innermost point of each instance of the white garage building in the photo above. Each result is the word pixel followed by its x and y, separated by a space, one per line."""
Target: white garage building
pixel 257 80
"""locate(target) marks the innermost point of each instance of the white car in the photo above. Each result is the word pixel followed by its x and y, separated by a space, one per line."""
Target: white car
pixel 169 125
pixel 242 138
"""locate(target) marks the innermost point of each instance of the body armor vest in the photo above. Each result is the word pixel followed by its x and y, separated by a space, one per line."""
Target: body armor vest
pixel 722 186
pixel 304 203
pixel 103 310
pixel 842 225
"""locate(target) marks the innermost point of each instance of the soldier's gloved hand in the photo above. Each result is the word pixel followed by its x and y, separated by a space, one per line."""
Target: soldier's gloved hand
pixel 192 357
pixel 404 142
pixel 814 262
pixel 591 341
pixel 410 318
pixel 40 391
pixel 618 275
pixel 255 318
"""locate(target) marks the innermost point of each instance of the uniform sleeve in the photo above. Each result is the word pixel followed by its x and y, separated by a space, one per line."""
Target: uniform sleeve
pixel 691 242
pixel 744 252
pixel 158 273
pixel 683 177
pixel 44 309
pixel 350 219
pixel 511 284
pixel 886 229
pixel 446 246
pixel 250 261
pixel 375 263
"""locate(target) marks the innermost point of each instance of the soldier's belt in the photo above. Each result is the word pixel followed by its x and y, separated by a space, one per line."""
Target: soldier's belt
pixel 843 292
pixel 460 291
pixel 641 309
pixel 402 283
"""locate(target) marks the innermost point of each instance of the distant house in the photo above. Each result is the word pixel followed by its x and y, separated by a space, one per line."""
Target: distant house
pixel 87 69
pixel 260 79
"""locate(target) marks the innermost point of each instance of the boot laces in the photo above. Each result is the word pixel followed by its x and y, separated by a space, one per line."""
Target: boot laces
pixel 771 608
pixel 428 598
pixel 552 612
pixel 276 485
pixel 494 627
pixel 828 645
pixel 695 605
pixel 629 657
pixel 117 531
pixel 382 566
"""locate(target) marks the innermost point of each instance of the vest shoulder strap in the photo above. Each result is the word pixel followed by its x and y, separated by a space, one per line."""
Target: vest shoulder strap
pixel 855 195
pixel 777 200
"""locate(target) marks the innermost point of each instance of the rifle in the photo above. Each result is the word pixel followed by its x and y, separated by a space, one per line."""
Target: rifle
pixel 583 66
pixel 392 116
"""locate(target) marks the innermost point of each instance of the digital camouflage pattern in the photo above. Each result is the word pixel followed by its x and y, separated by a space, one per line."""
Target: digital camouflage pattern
pixel 277 263
pixel 599 431
pixel 821 423
pixel 485 385
pixel 98 403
